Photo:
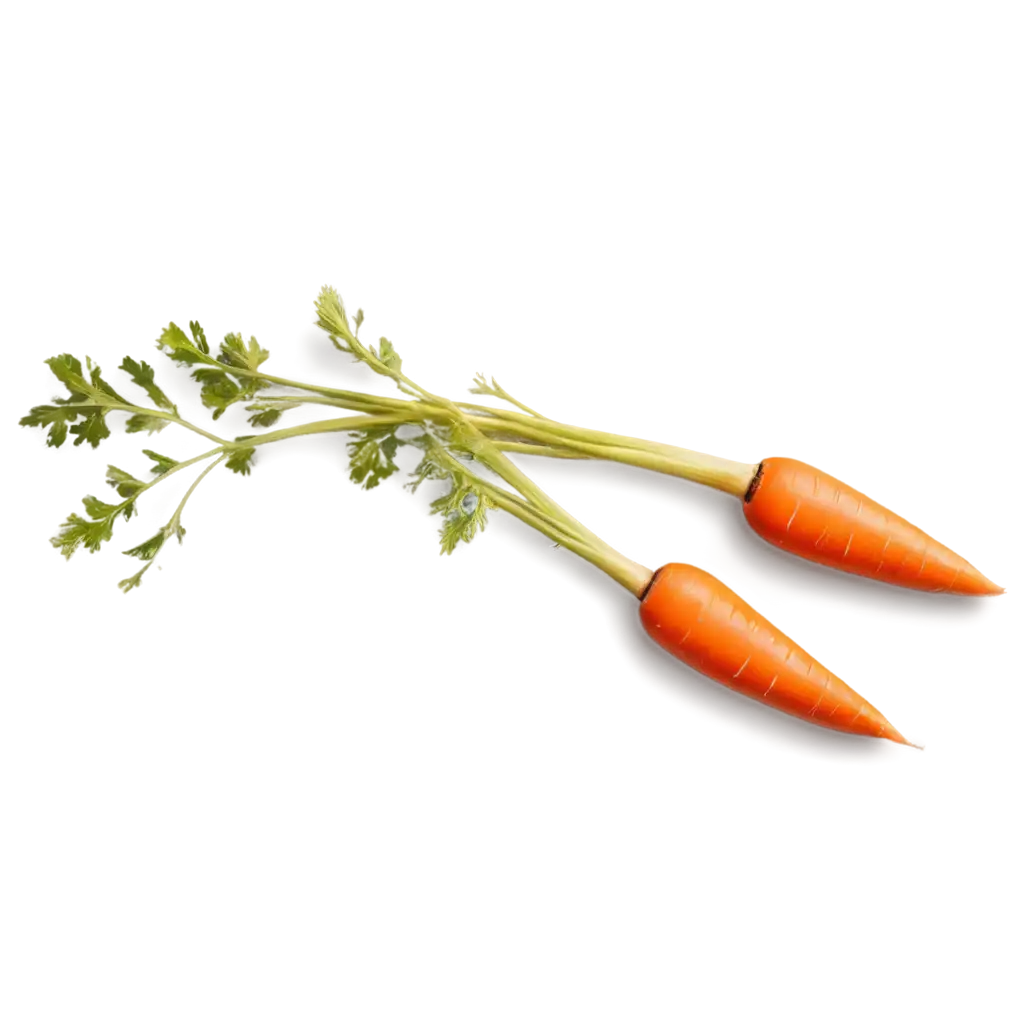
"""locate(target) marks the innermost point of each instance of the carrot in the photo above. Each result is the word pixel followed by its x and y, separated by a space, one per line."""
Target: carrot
pixel 790 504
pixel 809 513
pixel 702 622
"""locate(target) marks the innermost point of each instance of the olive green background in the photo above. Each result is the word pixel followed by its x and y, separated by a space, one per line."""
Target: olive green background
pixel 426 810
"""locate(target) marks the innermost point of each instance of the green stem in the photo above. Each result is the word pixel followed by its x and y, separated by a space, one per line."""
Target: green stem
pixel 177 468
pixel 494 388
pixel 173 526
pixel 519 418
pixel 345 424
pixel 354 400
pixel 722 474
pixel 175 520
pixel 102 401
pixel 521 448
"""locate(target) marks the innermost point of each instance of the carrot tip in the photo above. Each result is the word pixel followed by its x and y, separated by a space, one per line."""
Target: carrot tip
pixel 889 733
pixel 979 585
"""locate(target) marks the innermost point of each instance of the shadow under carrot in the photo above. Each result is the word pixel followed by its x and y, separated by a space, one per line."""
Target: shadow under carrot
pixel 719 519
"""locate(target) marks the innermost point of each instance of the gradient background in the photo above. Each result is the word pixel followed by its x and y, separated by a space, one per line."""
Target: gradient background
pixel 324 811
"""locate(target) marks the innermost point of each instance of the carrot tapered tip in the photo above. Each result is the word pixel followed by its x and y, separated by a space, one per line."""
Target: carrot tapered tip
pixel 970 581
pixel 977 584
pixel 915 745
pixel 889 733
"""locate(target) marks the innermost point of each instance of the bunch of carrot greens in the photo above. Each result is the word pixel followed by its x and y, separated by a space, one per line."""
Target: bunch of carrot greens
pixel 464 446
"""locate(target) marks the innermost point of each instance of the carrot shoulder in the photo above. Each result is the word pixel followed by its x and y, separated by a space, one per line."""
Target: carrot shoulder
pixel 809 513
pixel 702 622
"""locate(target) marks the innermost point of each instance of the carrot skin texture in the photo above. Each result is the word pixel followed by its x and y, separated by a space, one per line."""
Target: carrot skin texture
pixel 808 513
pixel 697 618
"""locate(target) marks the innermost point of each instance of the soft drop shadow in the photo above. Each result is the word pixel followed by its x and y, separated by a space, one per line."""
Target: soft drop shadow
pixel 719 518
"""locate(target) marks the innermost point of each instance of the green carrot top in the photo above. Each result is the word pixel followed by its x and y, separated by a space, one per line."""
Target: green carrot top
pixel 462 447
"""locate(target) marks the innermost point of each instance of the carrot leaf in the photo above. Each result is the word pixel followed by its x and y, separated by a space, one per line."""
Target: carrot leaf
pixel 388 356
pixel 372 456
pixel 234 352
pixel 84 412
pixel 107 515
pixel 148 552
pixel 177 345
pixel 241 460
pixel 428 469
pixel 76 531
pixel 69 426
pixel 331 315
pixel 264 416
pixel 221 385
pixel 464 505
pixel 481 386
pixel 465 513
pixel 144 376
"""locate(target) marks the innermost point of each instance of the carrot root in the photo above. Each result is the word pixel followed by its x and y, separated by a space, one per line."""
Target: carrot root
pixel 702 622
pixel 807 512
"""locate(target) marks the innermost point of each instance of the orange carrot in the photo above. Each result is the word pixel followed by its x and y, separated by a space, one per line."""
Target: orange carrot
pixel 809 513
pixel 702 622
pixel 790 504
